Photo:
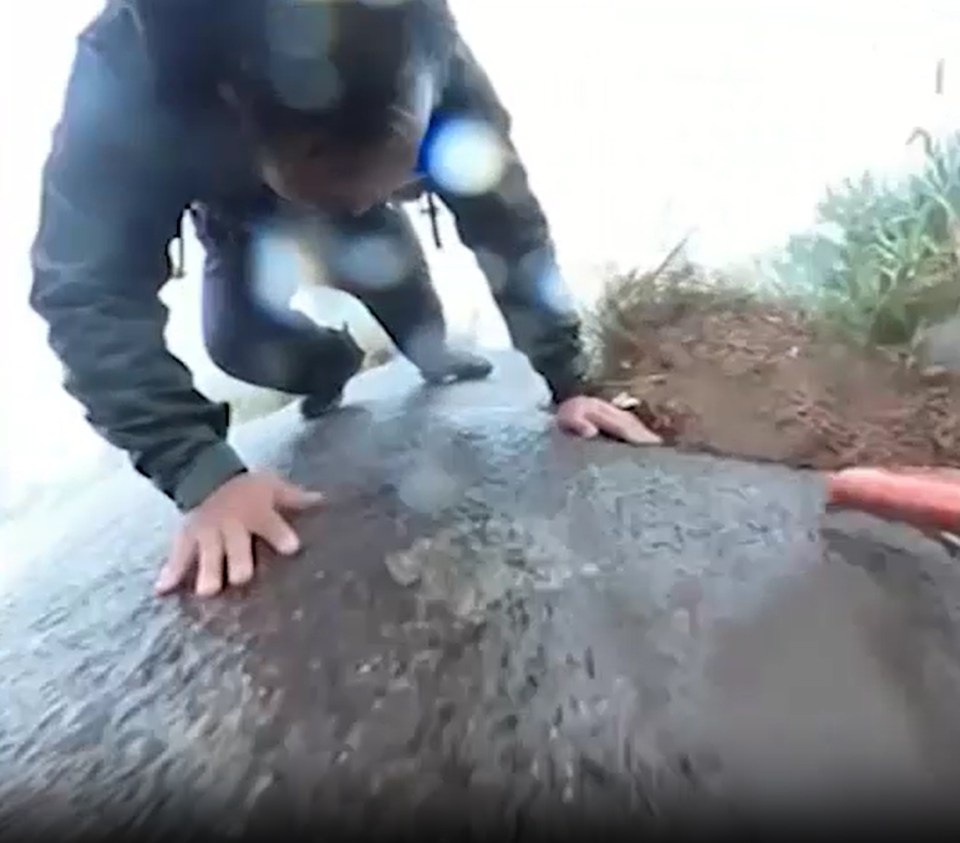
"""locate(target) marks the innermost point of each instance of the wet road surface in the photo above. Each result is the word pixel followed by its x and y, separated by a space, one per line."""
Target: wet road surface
pixel 493 626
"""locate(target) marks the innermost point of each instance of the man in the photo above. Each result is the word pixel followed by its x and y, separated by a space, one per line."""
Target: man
pixel 246 111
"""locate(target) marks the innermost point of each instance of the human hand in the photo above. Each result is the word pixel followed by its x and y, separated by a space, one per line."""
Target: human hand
pixel 585 416
pixel 219 533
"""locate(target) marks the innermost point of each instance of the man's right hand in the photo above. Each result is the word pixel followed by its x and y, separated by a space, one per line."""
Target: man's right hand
pixel 219 533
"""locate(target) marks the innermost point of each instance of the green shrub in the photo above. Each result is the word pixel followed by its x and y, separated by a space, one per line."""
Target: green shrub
pixel 882 261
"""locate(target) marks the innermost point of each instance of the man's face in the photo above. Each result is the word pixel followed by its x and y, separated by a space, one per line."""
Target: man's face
pixel 307 170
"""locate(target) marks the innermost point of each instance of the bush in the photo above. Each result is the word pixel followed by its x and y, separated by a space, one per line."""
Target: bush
pixel 882 261
pixel 881 264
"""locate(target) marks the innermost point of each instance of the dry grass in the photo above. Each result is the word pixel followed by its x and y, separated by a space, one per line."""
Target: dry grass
pixel 635 302
pixel 723 364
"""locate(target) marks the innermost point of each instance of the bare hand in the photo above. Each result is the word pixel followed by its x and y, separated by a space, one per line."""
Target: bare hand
pixel 222 529
pixel 586 417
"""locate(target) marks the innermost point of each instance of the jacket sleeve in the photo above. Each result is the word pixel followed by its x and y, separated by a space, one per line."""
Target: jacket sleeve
pixel 508 232
pixel 112 198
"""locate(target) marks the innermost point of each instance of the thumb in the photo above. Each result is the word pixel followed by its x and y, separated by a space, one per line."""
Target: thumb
pixel 292 496
pixel 644 436
pixel 582 427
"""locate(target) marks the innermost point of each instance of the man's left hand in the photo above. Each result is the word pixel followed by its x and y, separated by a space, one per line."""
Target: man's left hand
pixel 587 417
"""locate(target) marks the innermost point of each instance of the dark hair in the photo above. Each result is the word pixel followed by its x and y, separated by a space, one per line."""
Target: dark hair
pixel 334 66
pixel 184 41
pixel 368 47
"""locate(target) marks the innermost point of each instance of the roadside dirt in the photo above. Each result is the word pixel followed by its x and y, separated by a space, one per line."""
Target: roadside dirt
pixel 738 377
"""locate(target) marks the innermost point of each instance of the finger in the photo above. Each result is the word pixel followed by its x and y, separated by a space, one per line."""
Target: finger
pixel 210 572
pixel 178 563
pixel 623 425
pixel 291 496
pixel 632 431
pixel 279 534
pixel 581 426
pixel 238 543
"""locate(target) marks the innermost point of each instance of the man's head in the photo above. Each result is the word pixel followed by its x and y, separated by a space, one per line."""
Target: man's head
pixel 337 94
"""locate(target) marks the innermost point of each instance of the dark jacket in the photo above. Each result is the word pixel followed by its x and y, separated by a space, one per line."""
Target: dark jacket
pixel 129 155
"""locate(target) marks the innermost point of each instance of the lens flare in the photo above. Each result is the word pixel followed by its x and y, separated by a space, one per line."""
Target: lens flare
pixel 553 291
pixel 466 157
pixel 299 76
pixel 305 84
pixel 274 267
pixel 546 284
pixel 372 261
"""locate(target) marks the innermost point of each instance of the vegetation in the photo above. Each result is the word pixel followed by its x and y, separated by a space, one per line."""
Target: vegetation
pixel 881 263
pixel 884 259
pixel 631 301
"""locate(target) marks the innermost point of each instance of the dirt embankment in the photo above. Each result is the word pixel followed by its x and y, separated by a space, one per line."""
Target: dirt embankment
pixel 736 376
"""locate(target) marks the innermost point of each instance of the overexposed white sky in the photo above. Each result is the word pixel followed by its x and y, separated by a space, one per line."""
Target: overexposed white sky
pixel 637 120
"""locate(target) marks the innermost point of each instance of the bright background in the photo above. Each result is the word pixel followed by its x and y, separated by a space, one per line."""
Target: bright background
pixel 637 120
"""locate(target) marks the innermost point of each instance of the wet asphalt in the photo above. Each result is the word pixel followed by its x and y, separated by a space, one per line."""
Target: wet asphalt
pixel 493 629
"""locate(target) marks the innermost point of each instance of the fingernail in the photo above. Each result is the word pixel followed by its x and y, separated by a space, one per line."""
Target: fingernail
pixel 290 545
pixel 207 589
